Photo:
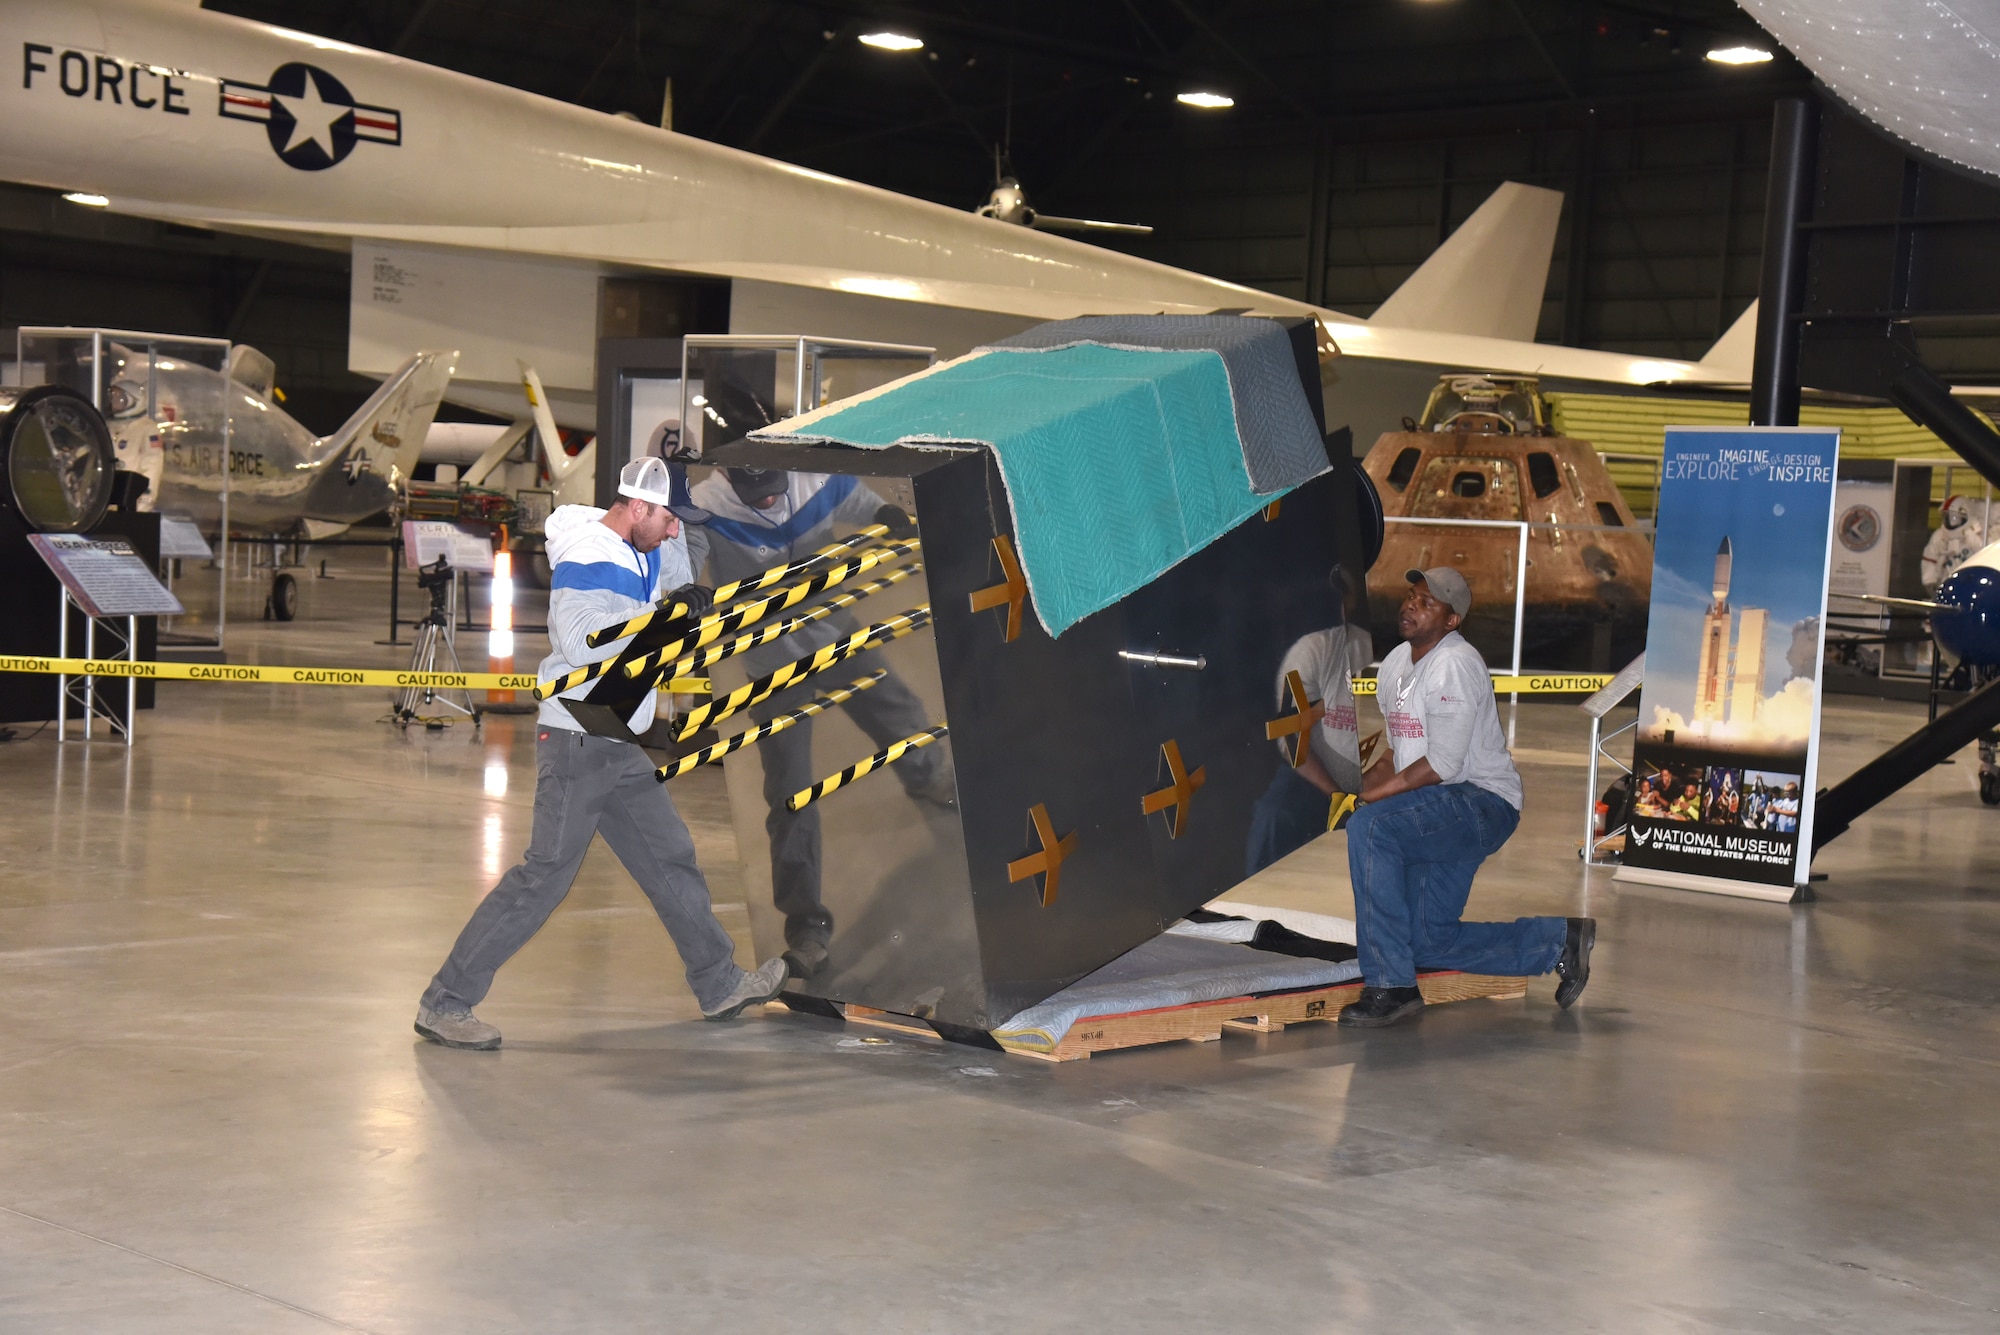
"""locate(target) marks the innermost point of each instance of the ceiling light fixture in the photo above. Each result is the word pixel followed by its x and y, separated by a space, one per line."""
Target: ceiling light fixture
pixel 1739 55
pixel 892 41
pixel 1206 101
pixel 93 201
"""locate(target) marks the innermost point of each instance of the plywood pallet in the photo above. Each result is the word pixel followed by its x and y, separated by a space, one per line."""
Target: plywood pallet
pixel 1204 1021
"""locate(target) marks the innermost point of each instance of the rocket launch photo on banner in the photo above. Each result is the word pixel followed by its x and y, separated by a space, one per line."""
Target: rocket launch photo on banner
pixel 1725 764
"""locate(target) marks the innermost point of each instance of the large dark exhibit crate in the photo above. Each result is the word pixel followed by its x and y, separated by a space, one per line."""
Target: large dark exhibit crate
pixel 926 919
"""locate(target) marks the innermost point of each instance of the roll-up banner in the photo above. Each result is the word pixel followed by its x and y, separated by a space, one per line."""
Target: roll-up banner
pixel 1727 755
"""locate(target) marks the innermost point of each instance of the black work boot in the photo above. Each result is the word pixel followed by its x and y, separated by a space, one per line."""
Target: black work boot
pixel 1574 966
pixel 1379 1006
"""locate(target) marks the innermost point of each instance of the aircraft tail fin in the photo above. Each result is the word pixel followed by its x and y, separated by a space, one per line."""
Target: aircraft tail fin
pixel 386 434
pixel 573 477
pixel 1488 276
pixel 1735 352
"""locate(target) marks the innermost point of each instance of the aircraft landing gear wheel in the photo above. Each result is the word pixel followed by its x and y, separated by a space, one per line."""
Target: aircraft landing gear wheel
pixel 1989 789
pixel 284 597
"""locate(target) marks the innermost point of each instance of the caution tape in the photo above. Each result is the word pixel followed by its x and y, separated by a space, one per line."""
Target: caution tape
pixel 249 673
pixel 1541 683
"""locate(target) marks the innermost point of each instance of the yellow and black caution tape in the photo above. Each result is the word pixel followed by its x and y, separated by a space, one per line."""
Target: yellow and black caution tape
pixel 710 628
pixel 687 764
pixel 775 575
pixel 777 630
pixel 251 673
pixel 763 688
pixel 805 797
pixel 1537 683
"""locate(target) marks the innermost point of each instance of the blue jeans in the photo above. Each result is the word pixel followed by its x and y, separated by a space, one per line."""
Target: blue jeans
pixel 1412 858
pixel 1290 815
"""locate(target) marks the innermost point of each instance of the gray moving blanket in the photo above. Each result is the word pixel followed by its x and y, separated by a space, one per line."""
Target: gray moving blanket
pixel 1281 443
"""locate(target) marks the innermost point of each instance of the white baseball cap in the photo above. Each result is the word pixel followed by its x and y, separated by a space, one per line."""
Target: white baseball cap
pixel 646 479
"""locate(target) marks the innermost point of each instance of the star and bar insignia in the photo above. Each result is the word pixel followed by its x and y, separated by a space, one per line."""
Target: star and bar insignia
pixel 312 120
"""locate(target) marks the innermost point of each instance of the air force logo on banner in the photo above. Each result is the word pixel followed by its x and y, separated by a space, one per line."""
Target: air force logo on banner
pixel 312 120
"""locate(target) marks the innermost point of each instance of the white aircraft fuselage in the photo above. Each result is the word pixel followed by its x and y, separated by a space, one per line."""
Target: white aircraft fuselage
pixel 166 416
pixel 172 112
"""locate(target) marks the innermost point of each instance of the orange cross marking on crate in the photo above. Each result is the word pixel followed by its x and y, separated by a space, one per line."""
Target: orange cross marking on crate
pixel 1010 593
pixel 1177 794
pixel 1047 863
pixel 1295 723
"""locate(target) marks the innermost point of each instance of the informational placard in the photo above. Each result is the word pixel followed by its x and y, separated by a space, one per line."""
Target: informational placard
pixel 1862 512
pixel 105 576
pixel 1726 761
pixel 463 548
pixel 181 540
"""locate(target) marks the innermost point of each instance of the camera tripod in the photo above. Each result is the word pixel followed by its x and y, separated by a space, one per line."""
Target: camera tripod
pixel 434 651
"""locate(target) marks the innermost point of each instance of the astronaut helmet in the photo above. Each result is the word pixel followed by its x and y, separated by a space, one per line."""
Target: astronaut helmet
pixel 1957 514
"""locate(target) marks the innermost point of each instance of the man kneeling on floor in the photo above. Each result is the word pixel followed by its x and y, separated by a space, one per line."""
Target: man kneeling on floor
pixel 606 566
pixel 1440 802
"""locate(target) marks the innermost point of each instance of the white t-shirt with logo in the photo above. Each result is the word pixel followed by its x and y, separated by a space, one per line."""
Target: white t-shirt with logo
pixel 1326 662
pixel 1442 708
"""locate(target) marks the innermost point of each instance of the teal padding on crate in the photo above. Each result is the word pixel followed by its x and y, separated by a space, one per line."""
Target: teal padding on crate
pixel 1119 462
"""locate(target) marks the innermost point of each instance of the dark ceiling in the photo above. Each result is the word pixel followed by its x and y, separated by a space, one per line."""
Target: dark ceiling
pixel 1053 84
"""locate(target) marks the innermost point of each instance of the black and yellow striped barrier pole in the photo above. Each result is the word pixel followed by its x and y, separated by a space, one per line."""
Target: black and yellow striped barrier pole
pixel 777 630
pixel 707 754
pixel 805 797
pixel 763 688
pixel 782 600
pixel 775 575
pixel 713 627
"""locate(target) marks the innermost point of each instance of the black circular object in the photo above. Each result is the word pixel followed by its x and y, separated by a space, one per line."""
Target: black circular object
pixel 284 596
pixel 56 459
pixel 1989 789
pixel 1370 515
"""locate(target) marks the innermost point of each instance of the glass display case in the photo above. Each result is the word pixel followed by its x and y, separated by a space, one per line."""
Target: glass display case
pixel 168 426
pixel 734 384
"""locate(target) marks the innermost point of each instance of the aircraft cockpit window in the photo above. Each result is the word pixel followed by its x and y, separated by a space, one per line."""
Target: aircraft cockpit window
pixel 1543 475
pixel 123 398
pixel 1459 486
pixel 1607 514
pixel 1404 468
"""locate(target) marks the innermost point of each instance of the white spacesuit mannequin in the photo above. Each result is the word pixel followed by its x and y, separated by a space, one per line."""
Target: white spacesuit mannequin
pixel 1958 536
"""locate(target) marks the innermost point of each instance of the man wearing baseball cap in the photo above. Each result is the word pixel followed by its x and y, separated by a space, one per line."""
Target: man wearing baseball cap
pixel 606 566
pixel 1440 802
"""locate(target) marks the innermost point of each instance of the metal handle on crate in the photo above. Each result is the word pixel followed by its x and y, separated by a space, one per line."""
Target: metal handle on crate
pixel 1194 664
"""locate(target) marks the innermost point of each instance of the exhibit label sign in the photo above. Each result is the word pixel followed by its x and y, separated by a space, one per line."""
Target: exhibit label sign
pixel 1726 761
pixel 104 576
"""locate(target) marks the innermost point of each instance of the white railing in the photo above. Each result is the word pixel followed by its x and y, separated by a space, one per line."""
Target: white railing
pixel 1520 567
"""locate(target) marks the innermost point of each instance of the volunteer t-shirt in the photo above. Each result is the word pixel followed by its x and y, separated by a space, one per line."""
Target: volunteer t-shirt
pixel 1442 708
pixel 1326 661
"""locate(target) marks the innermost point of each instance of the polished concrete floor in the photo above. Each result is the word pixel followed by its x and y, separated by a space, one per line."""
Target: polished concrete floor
pixel 214 1116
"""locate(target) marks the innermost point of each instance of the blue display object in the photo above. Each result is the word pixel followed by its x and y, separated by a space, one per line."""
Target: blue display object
pixel 1972 635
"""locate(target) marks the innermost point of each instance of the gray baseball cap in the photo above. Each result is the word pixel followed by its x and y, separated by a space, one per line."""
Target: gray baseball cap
pixel 1446 585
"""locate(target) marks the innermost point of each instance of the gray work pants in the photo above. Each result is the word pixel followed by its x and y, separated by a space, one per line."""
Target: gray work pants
pixel 585 786
pixel 888 713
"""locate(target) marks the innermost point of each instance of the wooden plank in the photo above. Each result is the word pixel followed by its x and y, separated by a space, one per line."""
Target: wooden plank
pixel 1204 1021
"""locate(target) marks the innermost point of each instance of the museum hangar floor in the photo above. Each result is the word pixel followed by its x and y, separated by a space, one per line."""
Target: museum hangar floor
pixel 214 1115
